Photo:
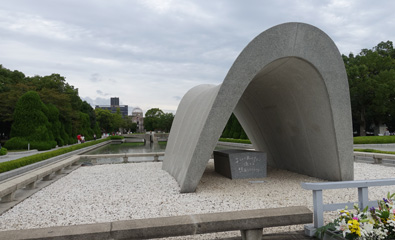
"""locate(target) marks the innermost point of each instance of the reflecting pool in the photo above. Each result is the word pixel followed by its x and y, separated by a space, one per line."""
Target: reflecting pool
pixel 135 147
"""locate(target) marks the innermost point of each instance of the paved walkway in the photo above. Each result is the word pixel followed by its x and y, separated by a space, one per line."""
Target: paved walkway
pixel 16 155
pixel 382 147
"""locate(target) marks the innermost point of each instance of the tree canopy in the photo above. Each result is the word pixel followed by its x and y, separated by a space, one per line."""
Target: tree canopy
pixel 233 129
pixel 31 125
pixel 155 119
pixel 68 115
pixel 371 76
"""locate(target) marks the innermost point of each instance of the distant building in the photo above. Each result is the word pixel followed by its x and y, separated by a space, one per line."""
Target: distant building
pixel 138 117
pixel 114 106
pixel 114 101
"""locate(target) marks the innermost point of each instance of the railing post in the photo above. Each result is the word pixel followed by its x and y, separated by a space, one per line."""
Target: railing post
pixel 318 209
pixel 363 199
pixel 156 158
pixel 125 159
pixel 251 234
pixel 377 160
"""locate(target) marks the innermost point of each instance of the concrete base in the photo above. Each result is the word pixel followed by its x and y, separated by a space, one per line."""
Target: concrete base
pixel 254 234
pixel 8 198
pixel 309 230
pixel 32 185
pixel 238 164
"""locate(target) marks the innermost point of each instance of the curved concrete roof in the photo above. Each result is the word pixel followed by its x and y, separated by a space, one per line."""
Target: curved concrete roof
pixel 289 90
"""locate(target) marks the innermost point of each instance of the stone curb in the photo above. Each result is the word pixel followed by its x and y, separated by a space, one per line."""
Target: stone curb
pixel 21 170
pixel 243 220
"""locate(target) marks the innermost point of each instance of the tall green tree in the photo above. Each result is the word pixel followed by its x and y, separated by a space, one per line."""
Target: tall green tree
pixel 30 125
pixel 117 120
pixel 104 118
pixel 152 119
pixel 53 90
pixel 12 86
pixel 165 121
pixel 129 125
pixel 55 125
pixel 372 86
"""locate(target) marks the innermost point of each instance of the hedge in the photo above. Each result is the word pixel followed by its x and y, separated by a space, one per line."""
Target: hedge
pixel 116 137
pixel 3 151
pixel 17 163
pixel 374 139
pixel 245 141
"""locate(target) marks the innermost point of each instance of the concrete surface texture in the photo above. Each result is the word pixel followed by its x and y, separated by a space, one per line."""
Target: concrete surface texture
pixel 289 90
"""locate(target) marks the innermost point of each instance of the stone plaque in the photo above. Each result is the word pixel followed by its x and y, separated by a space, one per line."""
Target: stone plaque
pixel 236 163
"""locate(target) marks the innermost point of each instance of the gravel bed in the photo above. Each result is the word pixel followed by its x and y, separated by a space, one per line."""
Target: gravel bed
pixel 105 193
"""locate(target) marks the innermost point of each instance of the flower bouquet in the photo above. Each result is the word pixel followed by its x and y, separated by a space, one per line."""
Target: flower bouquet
pixel 367 224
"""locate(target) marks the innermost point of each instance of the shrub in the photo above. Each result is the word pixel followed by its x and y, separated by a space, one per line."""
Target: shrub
pixel 16 143
pixel 59 141
pixel 116 137
pixel 374 139
pixel 41 146
pixel 3 151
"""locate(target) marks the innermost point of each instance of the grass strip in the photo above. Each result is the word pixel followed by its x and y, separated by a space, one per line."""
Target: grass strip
pixel 245 141
pixel 357 140
pixel 374 139
pixel 17 163
pixel 373 151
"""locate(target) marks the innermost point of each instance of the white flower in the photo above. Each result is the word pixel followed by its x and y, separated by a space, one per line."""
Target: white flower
pixel 343 226
pixel 368 227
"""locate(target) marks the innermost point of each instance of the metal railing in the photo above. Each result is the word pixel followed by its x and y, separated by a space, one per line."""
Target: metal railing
pixel 320 207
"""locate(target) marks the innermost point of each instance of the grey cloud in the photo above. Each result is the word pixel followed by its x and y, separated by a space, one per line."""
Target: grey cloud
pixel 140 50
pixel 101 93
pixel 95 77
pixel 178 98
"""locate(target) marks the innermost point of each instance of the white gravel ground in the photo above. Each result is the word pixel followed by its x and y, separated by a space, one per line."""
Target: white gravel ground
pixel 114 192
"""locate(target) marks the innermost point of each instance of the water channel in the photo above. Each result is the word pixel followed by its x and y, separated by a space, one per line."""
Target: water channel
pixel 135 147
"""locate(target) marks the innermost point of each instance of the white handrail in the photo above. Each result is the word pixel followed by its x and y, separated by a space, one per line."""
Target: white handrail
pixel 320 207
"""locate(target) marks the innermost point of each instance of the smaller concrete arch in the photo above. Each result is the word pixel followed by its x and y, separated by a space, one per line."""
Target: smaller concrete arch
pixel 289 90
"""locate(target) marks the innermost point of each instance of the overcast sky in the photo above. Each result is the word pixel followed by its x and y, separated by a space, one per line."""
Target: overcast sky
pixel 150 53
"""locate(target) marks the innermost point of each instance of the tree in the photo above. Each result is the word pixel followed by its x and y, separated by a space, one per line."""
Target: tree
pixel 117 120
pixel 152 119
pixel 129 125
pixel 53 90
pixel 165 121
pixel 30 125
pixel 371 79
pixel 55 125
pixel 104 118
pixel 233 129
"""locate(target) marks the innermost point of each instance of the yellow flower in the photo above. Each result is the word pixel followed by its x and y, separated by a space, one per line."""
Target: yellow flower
pixel 354 227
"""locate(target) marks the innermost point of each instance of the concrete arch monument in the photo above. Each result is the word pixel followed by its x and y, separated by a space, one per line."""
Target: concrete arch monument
pixel 289 90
